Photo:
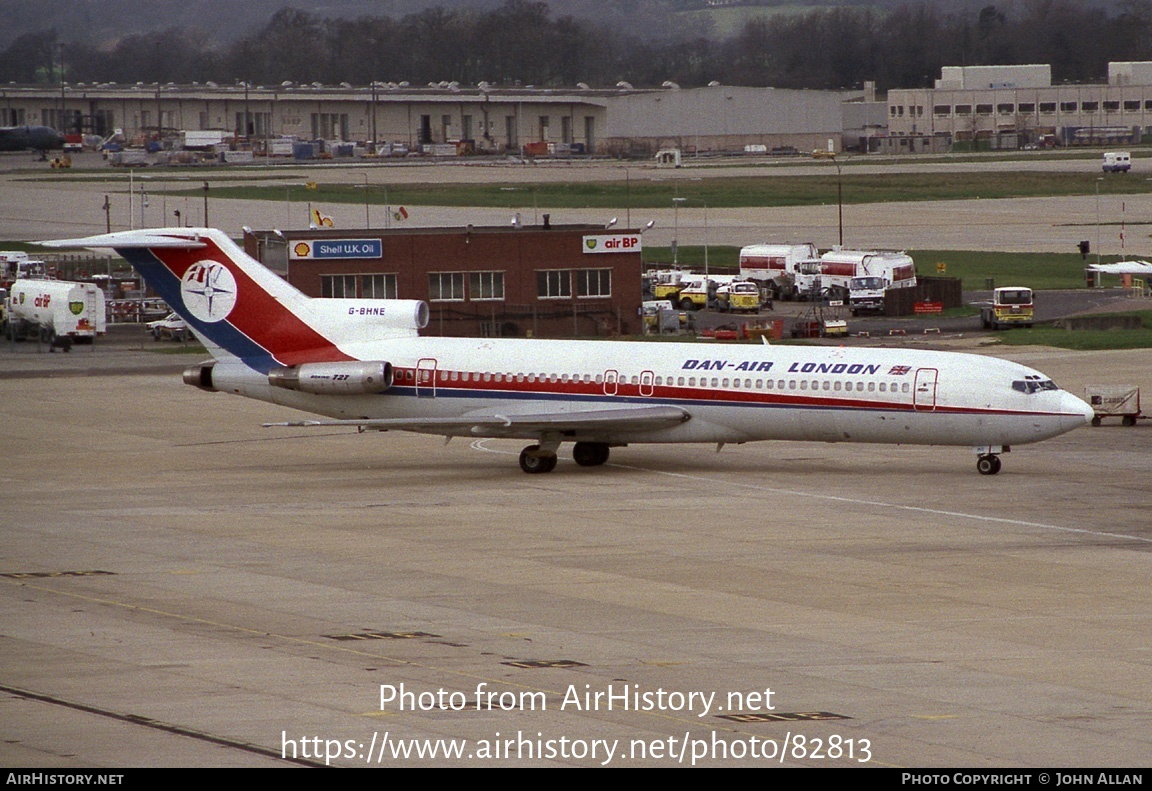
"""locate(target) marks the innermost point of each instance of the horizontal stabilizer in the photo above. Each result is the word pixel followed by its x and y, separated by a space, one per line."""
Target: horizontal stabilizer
pixel 123 240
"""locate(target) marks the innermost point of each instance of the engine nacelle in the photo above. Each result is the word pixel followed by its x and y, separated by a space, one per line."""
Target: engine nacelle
pixel 200 376
pixel 347 378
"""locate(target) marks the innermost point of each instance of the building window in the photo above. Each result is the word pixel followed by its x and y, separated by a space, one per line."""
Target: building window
pixel 983 109
pixel 510 131
pixel 1148 104
pixel 963 109
pixel 445 286
pixel 1112 107
pixel 485 285
pixel 594 283
pixel 1089 107
pixel 338 286
pixel 1027 107
pixel 1067 107
pixel 1132 106
pixel 378 286
pixel 554 284
pixel 329 126
pixel 942 110
pixel 1006 109
pixel 1047 107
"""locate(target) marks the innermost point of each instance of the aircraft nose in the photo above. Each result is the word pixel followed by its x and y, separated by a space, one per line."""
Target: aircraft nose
pixel 1072 405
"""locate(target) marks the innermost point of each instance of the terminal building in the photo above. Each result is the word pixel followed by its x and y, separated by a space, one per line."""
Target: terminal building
pixel 533 281
pixel 989 107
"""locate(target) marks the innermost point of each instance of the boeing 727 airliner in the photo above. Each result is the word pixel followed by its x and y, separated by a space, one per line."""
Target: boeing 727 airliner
pixel 362 362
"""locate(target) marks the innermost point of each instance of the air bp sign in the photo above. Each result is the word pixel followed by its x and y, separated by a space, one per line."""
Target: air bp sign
pixel 613 243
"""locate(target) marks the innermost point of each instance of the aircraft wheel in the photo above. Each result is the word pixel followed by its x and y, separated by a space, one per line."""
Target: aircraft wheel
pixel 988 465
pixel 1095 421
pixel 590 454
pixel 533 462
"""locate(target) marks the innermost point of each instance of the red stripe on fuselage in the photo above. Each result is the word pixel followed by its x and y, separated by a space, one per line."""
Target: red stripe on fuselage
pixel 512 386
pixel 257 314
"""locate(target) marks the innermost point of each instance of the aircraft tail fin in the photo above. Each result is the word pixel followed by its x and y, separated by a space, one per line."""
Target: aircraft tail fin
pixel 241 309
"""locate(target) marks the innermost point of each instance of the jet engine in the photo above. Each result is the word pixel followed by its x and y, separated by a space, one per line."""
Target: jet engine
pixel 346 378
pixel 200 376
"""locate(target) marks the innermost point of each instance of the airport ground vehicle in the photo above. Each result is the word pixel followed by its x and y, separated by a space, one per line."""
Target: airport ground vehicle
pixel 59 312
pixel 171 327
pixel 1117 162
pixel 698 291
pixel 832 275
pixel 742 295
pixel 1122 401
pixel 1011 307
pixel 661 317
pixel 362 363
pixel 774 266
pixel 866 294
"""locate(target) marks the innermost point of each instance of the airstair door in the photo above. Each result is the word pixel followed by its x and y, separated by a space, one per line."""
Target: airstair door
pixel 924 390
pixel 426 377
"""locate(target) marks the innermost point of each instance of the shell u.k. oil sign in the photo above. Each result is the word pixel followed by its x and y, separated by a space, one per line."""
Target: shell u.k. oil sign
pixel 336 248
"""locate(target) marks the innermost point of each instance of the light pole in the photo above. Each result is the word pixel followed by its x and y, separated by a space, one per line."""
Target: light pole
pixel 839 199
pixel 705 239
pixel 839 189
pixel 676 229
pixel 1098 180
pixel 367 219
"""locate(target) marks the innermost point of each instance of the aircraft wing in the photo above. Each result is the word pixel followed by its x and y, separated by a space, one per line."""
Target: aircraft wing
pixel 1124 268
pixel 643 418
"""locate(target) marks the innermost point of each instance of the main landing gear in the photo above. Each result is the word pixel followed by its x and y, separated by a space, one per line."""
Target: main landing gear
pixel 536 459
pixel 590 454
pixel 988 464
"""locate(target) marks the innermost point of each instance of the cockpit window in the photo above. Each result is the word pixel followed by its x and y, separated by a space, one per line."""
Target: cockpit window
pixel 1033 384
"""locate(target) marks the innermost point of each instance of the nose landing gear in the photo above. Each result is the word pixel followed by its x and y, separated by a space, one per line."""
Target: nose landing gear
pixel 988 464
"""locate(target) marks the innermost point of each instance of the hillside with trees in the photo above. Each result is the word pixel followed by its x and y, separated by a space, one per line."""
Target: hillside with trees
pixel 526 43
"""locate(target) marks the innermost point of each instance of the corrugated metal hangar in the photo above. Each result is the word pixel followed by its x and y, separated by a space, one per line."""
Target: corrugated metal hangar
pixel 621 120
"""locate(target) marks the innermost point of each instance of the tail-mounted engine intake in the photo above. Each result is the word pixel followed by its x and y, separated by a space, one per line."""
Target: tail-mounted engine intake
pixel 200 376
pixel 349 378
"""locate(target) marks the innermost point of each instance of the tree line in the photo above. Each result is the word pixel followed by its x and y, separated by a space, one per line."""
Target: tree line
pixel 521 43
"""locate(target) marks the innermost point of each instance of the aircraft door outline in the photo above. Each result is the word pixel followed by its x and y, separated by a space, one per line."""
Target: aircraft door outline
pixel 611 381
pixel 924 389
pixel 426 377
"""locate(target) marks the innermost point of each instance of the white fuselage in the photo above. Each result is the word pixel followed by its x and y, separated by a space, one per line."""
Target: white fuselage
pixel 733 393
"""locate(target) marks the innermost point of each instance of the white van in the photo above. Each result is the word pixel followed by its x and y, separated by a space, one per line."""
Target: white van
pixel 1117 162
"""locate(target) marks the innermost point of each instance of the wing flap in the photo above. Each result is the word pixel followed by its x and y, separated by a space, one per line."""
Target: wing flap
pixel 644 418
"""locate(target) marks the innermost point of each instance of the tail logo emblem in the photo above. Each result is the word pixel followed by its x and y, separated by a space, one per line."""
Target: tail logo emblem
pixel 209 291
